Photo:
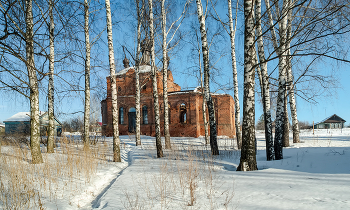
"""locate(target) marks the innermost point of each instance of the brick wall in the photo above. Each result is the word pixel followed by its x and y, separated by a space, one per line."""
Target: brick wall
pixel 191 101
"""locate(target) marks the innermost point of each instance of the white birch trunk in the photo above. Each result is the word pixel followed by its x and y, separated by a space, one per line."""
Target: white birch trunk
pixel 51 128
pixel 34 89
pixel 265 89
pixel 248 151
pixel 280 115
pixel 235 79
pixel 137 77
pixel 165 79
pixel 204 106
pixel 292 103
pixel 258 71
pixel 271 25
pixel 205 120
pixel 293 108
pixel 86 135
pixel 279 129
pixel 208 98
pixel 286 122
pixel 154 83
pixel 116 140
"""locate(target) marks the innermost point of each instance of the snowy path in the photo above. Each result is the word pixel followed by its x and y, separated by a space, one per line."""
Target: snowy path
pixel 312 175
pixel 97 201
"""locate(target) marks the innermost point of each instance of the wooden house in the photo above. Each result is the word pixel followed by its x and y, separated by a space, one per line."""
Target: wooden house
pixel 331 122
pixel 20 124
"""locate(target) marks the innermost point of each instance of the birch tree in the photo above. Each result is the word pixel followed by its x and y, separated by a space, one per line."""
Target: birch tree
pixel 265 87
pixel 292 102
pixel 281 52
pixel 137 76
pixel 235 79
pixel 154 83
pixel 204 106
pixel 284 31
pixel 248 152
pixel 208 98
pixel 87 77
pixel 286 122
pixel 165 78
pixel 34 89
pixel 116 140
pixel 197 47
pixel 316 27
pixel 165 43
pixel 51 130
pixel 17 48
pixel 289 78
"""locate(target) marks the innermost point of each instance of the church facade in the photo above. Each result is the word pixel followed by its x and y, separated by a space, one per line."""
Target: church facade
pixel 185 107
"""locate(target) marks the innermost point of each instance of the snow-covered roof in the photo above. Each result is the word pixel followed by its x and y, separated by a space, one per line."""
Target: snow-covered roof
pixel 143 69
pixel 219 94
pixel 332 119
pixel 180 92
pixel 2 125
pixel 21 117
pixel 197 89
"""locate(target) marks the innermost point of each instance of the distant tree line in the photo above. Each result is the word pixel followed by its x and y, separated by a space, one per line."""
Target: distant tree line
pixel 260 125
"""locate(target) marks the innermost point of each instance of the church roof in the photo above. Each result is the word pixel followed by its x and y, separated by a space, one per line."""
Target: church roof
pixel 143 69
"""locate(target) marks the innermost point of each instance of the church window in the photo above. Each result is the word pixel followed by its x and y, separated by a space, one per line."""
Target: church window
pixel 144 115
pixel 183 113
pixel 121 115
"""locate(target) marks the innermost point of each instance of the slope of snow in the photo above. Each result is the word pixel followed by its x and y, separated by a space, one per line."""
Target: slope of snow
pixel 314 174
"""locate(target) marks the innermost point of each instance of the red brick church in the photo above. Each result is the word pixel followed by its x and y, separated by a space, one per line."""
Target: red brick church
pixel 185 107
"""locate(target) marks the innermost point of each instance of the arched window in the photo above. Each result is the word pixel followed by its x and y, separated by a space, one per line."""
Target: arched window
pixel 119 89
pixel 183 113
pixel 144 115
pixel 121 115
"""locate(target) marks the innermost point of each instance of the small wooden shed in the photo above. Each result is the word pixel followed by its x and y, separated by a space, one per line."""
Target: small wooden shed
pixel 331 122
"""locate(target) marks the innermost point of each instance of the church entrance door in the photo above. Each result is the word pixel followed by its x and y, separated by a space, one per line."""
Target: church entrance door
pixel 132 120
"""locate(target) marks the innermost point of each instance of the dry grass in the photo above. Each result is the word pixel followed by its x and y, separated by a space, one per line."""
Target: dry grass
pixel 25 186
pixel 184 177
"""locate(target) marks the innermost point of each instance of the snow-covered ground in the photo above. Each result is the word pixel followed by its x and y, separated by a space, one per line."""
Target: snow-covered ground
pixel 314 174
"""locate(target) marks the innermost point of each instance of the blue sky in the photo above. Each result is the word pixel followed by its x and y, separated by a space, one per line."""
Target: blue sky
pixel 182 65
pixel 338 103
